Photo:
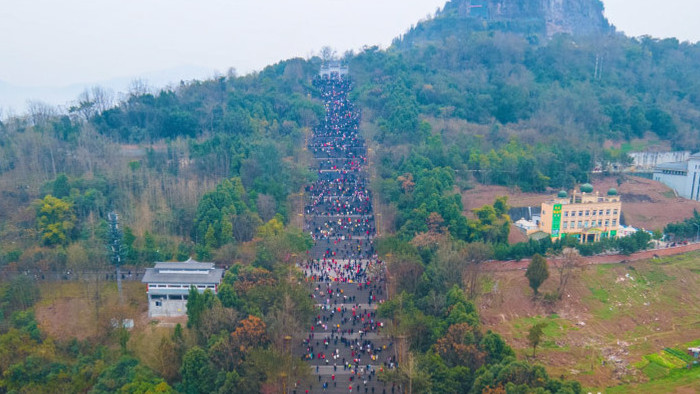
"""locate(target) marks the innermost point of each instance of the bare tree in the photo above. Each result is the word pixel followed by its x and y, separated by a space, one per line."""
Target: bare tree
pixel 567 267
pixel 40 112
pixel 138 87
pixel 244 226
pixel 231 73
pixel 267 207
pixel 475 254
pixel 327 54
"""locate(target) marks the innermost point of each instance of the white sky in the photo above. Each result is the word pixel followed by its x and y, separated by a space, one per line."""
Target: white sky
pixel 60 42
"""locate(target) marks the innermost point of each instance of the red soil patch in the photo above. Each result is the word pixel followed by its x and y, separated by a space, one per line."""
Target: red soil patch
pixel 68 318
pixel 68 309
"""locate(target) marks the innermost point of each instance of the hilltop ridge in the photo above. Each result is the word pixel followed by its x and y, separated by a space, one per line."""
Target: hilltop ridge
pixel 533 18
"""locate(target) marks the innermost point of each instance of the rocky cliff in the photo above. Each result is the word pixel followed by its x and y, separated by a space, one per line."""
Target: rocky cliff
pixel 576 17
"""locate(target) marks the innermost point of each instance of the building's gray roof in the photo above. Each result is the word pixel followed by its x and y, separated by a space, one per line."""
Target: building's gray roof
pixel 695 155
pixel 185 266
pixel 212 277
pixel 677 166
pixel 190 272
pixel 189 264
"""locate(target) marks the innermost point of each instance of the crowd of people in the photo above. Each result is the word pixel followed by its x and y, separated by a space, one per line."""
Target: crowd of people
pixel 328 269
pixel 341 164
pixel 344 343
pixel 341 227
pixel 357 204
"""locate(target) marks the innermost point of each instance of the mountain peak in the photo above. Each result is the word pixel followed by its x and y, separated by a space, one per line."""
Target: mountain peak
pixel 549 17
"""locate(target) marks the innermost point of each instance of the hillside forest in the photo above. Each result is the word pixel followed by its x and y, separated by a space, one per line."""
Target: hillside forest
pixel 214 169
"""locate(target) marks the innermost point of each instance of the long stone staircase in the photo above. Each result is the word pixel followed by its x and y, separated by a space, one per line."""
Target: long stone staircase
pixel 346 343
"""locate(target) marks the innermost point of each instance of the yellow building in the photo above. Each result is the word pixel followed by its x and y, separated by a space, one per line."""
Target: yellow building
pixel 585 215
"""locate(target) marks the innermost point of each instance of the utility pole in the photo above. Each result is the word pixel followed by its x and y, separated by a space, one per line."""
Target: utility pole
pixel 116 248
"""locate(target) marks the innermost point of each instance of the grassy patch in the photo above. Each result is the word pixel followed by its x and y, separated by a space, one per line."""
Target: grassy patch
pixel 657 277
pixel 679 354
pixel 669 194
pixel 487 285
pixel 600 294
pixel 665 360
pixel 554 327
pixel 655 371
pixel 687 379
pixel 694 343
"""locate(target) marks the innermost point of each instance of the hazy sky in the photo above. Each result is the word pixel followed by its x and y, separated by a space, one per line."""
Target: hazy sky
pixel 59 42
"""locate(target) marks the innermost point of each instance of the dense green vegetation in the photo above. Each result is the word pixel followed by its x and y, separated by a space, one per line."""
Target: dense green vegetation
pixel 685 230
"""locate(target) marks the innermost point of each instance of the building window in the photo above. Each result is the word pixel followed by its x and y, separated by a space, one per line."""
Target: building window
pixel 580 224
pixel 566 213
pixel 607 212
pixel 607 222
pixel 615 212
pixel 594 212
pixel 585 224
pixel 580 213
pixel 614 222
pixel 588 213
pixel 566 225
pixel 159 303
pixel 600 222
pixel 600 212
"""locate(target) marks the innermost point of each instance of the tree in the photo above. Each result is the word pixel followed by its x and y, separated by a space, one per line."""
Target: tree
pixel 537 272
pixel 566 268
pixel 61 186
pixel 474 254
pixel 150 249
pixel 271 228
pixel 197 304
pixel 245 225
pixel 250 333
pixel 534 336
pixel 327 54
pixel 197 373
pixel 55 220
pixel 460 346
pixel 267 206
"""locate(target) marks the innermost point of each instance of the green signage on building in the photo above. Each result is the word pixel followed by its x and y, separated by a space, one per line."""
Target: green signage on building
pixel 556 220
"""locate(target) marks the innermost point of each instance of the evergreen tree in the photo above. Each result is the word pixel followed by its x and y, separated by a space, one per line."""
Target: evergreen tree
pixel 537 272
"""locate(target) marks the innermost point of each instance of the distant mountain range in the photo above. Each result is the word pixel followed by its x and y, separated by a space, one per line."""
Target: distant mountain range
pixel 14 98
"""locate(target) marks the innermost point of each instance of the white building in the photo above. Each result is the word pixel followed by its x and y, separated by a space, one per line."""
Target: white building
pixel 683 176
pixel 649 160
pixel 333 68
pixel 169 284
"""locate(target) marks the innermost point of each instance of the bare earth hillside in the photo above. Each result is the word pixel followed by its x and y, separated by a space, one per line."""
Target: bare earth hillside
pixel 610 316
